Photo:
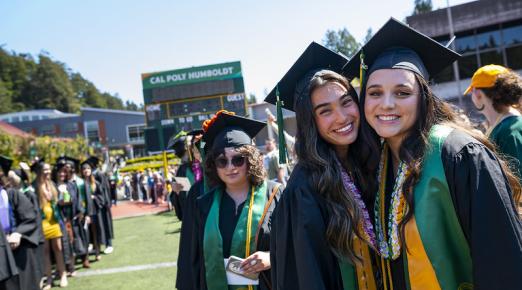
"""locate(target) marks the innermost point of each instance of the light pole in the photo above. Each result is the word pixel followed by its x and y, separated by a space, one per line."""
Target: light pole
pixel 456 72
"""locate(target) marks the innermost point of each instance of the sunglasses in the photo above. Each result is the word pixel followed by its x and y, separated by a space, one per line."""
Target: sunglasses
pixel 236 161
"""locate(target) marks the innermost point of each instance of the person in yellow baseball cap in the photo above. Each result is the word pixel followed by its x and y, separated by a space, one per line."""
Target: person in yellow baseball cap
pixel 496 92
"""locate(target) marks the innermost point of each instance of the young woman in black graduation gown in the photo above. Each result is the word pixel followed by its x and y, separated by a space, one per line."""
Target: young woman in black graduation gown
pixel 445 215
pixel 321 232
pixel 185 205
pixel 69 205
pixel 233 218
pixel 94 191
pixel 24 236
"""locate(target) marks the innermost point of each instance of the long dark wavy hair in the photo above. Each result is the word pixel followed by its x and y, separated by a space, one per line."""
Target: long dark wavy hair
pixel 431 111
pixel 256 172
pixel 318 158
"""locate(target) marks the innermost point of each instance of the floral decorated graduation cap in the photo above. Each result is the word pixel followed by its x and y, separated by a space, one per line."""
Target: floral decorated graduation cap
pixel 226 129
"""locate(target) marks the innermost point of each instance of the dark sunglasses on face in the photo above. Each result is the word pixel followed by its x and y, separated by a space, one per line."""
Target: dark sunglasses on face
pixel 236 161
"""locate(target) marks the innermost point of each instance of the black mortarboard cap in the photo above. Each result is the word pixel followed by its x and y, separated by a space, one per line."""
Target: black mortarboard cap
pixel 93 162
pixel 177 143
pixel 295 82
pixel 5 163
pixel 229 130
pixel 37 165
pixel 63 160
pixel 396 45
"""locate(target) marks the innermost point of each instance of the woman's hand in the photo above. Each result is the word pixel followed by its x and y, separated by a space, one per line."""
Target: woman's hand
pixel 177 187
pixel 257 262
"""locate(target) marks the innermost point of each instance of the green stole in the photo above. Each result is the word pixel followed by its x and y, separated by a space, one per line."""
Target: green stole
pixel 190 175
pixel 213 242
pixel 437 222
pixel 81 190
pixel 349 275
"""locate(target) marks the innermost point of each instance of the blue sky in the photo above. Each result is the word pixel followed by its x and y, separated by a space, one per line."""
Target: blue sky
pixel 112 42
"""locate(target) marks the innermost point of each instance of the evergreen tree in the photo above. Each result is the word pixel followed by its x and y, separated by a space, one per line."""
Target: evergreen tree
pixel 341 41
pixel 422 6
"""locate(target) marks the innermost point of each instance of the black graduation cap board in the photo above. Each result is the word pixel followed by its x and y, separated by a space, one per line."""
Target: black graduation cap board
pixel 314 58
pixel 231 131
pixel 5 164
pixel 397 45
pixel 37 165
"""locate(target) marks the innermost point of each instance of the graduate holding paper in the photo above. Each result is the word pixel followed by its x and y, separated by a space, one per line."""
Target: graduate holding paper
pixel 234 218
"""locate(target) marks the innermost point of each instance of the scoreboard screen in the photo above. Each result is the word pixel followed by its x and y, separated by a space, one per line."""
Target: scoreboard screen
pixel 182 99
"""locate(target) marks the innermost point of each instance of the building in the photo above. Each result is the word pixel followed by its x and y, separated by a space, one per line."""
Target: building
pixel 487 32
pixel 103 128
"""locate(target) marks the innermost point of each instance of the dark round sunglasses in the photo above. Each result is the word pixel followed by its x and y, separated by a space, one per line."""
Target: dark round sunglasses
pixel 236 161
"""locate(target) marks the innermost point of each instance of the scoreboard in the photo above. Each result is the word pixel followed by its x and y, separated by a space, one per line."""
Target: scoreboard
pixel 182 99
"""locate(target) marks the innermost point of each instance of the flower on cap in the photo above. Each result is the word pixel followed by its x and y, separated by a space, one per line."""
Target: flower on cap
pixel 207 123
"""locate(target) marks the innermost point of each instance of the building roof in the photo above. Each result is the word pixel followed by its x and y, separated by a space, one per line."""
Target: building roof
pixel 85 109
pixel 467 16
pixel 11 130
pixel 52 113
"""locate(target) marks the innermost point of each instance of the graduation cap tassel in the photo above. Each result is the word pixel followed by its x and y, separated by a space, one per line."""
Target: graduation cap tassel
pixel 280 129
pixel 362 70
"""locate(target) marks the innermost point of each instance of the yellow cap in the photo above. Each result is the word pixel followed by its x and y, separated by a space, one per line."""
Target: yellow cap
pixel 485 77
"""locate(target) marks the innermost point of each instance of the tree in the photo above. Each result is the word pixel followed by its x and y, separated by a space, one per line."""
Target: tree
pixel 50 87
pixel 28 84
pixel 422 6
pixel 341 41
pixel 251 99
pixel 369 34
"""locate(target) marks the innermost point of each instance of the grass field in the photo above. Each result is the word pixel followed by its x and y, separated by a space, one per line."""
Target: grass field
pixel 139 241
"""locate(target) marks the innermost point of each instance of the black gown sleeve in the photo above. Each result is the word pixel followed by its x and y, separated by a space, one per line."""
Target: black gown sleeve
pixel 299 252
pixel 485 208
pixel 188 239
pixel 25 216
pixel 179 200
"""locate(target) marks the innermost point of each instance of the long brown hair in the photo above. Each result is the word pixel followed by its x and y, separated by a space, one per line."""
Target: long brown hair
pixel 413 148
pixel 319 159
pixel 89 180
pixel 43 182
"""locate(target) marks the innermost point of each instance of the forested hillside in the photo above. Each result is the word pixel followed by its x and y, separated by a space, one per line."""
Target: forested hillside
pixel 28 83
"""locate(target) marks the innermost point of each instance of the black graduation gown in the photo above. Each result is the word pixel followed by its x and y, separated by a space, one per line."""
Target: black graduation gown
pixel 178 200
pixel 26 255
pixel 68 212
pixel 81 235
pixel 8 268
pixel 98 202
pixel 300 255
pixel 227 225
pixel 485 209
pixel 106 213
pixel 33 196
pixel 186 239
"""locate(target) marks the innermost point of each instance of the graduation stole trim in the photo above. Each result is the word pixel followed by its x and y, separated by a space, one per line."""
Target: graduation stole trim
pixel 360 276
pixel 243 238
pixel 437 252
pixel 190 175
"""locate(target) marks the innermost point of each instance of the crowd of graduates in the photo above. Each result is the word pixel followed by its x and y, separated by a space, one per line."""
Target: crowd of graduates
pixel 52 214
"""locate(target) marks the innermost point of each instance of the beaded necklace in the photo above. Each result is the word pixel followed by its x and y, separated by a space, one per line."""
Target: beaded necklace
pixel 365 226
pixel 389 244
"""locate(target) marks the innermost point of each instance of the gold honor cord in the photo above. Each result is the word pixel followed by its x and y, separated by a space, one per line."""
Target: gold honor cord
pixel 249 228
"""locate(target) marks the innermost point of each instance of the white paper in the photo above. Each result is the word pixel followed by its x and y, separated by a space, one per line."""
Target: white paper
pixel 184 181
pixel 235 279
